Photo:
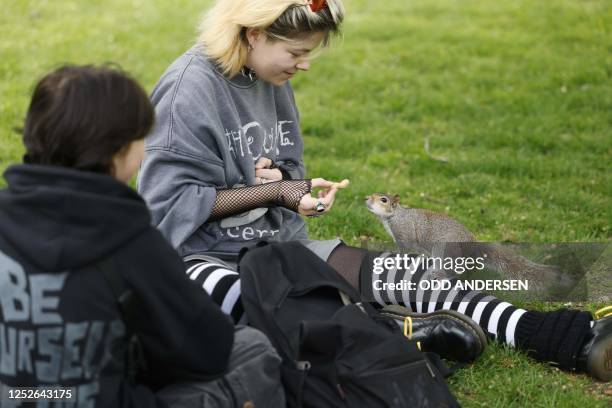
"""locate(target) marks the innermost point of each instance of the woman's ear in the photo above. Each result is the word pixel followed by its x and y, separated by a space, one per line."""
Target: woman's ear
pixel 252 36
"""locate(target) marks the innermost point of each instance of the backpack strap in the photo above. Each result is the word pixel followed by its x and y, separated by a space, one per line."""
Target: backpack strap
pixel 445 370
pixel 128 303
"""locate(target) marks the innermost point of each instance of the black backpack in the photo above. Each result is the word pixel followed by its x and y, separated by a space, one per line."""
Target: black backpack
pixel 334 355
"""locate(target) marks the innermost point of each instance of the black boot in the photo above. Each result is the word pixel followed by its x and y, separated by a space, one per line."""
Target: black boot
pixel 595 357
pixel 449 334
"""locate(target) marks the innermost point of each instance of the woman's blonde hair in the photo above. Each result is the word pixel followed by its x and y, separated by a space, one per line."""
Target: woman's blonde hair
pixel 223 27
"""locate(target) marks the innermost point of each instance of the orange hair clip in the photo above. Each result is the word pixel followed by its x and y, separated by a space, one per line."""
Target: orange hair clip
pixel 316 5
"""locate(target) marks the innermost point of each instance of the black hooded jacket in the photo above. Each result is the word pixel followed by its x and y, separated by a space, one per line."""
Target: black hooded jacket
pixel 58 314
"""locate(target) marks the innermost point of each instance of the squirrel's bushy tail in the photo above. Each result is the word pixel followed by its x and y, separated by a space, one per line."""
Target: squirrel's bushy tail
pixel 511 265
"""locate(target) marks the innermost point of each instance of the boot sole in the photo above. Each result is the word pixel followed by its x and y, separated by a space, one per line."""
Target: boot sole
pixel 396 311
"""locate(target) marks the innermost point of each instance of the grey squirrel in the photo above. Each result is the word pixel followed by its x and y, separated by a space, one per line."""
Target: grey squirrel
pixel 438 235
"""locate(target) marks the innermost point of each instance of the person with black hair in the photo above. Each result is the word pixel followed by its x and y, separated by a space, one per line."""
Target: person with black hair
pixel 89 290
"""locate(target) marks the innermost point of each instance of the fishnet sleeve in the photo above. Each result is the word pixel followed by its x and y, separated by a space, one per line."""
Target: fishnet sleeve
pixel 285 193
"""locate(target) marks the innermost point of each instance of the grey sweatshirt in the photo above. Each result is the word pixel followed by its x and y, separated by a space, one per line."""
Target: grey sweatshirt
pixel 209 132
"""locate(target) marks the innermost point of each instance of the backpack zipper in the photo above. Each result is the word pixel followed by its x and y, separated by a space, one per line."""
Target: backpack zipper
pixel 341 391
pixel 304 367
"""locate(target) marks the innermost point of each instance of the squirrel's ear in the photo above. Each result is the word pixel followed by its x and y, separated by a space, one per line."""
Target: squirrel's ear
pixel 396 199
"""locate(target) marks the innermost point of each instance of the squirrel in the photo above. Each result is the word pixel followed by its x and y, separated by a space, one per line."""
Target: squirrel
pixel 441 236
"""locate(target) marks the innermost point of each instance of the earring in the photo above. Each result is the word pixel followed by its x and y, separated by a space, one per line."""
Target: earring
pixel 248 72
pixel 249 48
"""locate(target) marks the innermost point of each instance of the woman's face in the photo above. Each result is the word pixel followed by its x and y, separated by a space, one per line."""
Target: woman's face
pixel 278 61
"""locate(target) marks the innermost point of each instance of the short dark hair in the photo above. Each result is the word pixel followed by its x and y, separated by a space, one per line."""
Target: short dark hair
pixel 81 116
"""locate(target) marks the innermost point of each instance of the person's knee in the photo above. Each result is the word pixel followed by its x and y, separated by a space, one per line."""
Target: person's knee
pixel 250 343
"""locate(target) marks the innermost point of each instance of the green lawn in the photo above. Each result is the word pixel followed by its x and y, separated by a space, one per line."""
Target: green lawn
pixel 517 95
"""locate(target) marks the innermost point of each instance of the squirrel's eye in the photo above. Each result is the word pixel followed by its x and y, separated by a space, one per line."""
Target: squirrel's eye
pixel 383 200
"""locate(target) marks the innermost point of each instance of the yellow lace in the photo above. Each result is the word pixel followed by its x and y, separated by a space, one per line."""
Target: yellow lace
pixel 603 312
pixel 408 330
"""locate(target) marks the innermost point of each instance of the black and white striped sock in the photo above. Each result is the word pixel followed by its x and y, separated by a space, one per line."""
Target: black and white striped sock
pixel 221 283
pixel 497 318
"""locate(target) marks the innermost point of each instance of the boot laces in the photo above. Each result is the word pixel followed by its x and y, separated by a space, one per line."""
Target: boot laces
pixel 408 330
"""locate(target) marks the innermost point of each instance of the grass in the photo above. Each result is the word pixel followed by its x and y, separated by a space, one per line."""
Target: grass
pixel 517 95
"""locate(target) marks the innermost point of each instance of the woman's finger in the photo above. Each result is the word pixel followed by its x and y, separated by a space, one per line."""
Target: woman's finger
pixel 321 183
pixel 269 174
pixel 329 198
pixel 263 163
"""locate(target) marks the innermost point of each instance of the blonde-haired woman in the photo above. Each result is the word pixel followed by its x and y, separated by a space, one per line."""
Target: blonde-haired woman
pixel 224 170
pixel 223 166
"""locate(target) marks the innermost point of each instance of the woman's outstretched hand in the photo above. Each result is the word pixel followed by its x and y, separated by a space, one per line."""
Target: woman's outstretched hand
pixel 326 196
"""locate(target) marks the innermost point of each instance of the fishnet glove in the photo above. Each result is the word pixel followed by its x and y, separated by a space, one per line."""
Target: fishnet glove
pixel 285 193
